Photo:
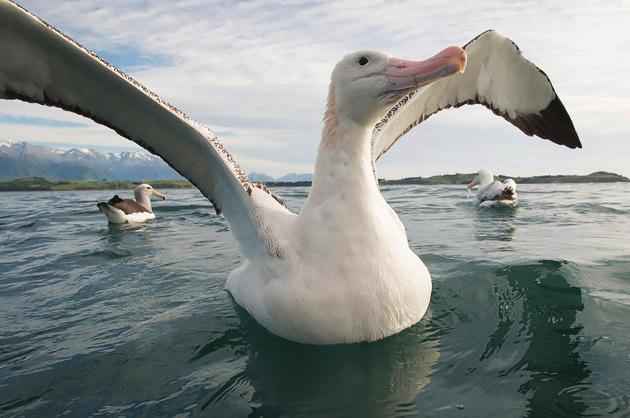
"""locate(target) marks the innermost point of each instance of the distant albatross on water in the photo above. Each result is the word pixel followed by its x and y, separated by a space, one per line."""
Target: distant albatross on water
pixel 492 192
pixel 340 270
pixel 120 211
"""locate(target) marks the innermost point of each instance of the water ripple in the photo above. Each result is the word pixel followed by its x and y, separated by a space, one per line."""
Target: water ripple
pixel 528 315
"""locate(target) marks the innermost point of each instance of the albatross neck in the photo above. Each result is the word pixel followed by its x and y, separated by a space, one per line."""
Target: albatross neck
pixel 344 160
pixel 143 199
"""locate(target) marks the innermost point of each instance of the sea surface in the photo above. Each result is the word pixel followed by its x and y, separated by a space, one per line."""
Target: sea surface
pixel 530 314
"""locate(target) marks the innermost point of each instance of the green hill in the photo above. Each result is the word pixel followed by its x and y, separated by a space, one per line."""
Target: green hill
pixel 40 183
pixel 596 177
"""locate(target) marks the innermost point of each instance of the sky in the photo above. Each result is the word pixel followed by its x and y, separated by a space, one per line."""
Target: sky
pixel 257 73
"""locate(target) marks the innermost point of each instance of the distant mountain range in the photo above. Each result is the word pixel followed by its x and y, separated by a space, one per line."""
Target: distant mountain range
pixel 22 160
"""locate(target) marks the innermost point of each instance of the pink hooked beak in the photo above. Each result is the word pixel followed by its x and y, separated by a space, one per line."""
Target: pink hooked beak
pixel 403 74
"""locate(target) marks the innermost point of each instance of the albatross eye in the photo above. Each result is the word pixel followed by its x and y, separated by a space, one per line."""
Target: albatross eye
pixel 363 60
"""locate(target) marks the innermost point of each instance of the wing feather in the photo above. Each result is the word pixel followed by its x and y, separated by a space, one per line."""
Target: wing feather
pixel 128 206
pixel 498 77
pixel 492 191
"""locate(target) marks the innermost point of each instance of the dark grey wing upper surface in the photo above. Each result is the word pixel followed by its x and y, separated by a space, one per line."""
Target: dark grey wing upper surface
pixel 127 205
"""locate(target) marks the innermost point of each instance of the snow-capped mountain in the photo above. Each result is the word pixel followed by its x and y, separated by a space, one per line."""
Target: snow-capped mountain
pixel 22 159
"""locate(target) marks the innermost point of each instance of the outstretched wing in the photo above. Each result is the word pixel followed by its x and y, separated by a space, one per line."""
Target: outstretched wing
pixel 39 64
pixel 496 76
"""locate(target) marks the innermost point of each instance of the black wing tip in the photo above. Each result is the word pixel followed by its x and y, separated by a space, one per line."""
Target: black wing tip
pixel 575 143
pixel 560 124
pixel 552 123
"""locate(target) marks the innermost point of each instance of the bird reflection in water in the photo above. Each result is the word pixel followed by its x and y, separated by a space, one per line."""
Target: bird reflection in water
pixel 496 224
pixel 368 379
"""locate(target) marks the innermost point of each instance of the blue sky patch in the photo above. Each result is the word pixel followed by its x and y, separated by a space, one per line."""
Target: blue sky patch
pixel 128 58
pixel 32 120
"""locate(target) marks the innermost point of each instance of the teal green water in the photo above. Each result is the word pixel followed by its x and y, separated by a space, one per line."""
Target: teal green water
pixel 530 314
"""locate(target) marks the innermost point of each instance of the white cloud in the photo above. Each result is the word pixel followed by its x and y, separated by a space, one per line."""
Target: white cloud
pixel 260 70
pixel 90 134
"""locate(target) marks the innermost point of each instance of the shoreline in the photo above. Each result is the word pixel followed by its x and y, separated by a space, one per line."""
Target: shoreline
pixel 42 184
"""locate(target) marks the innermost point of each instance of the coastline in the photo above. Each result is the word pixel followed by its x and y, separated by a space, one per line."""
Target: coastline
pixel 42 184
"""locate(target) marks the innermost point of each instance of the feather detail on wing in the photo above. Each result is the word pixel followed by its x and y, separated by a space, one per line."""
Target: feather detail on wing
pixel 497 191
pixel 128 206
pixel 496 76
pixel 490 192
pixel 39 64
pixel 509 184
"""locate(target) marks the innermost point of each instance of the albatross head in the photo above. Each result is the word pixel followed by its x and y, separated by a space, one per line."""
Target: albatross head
pixel 482 178
pixel 366 84
pixel 145 192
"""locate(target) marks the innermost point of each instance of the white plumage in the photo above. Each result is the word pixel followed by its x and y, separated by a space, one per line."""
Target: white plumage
pixel 492 192
pixel 341 270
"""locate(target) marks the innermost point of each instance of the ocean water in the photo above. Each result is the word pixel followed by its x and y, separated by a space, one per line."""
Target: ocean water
pixel 530 314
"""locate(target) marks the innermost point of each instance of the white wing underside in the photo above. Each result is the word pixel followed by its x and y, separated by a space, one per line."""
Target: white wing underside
pixel 41 65
pixel 496 76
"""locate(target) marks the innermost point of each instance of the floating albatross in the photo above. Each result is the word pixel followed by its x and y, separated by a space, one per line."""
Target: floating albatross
pixel 340 271
pixel 120 211
pixel 492 192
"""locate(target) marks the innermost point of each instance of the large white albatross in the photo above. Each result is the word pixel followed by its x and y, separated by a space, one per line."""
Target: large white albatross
pixel 340 271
